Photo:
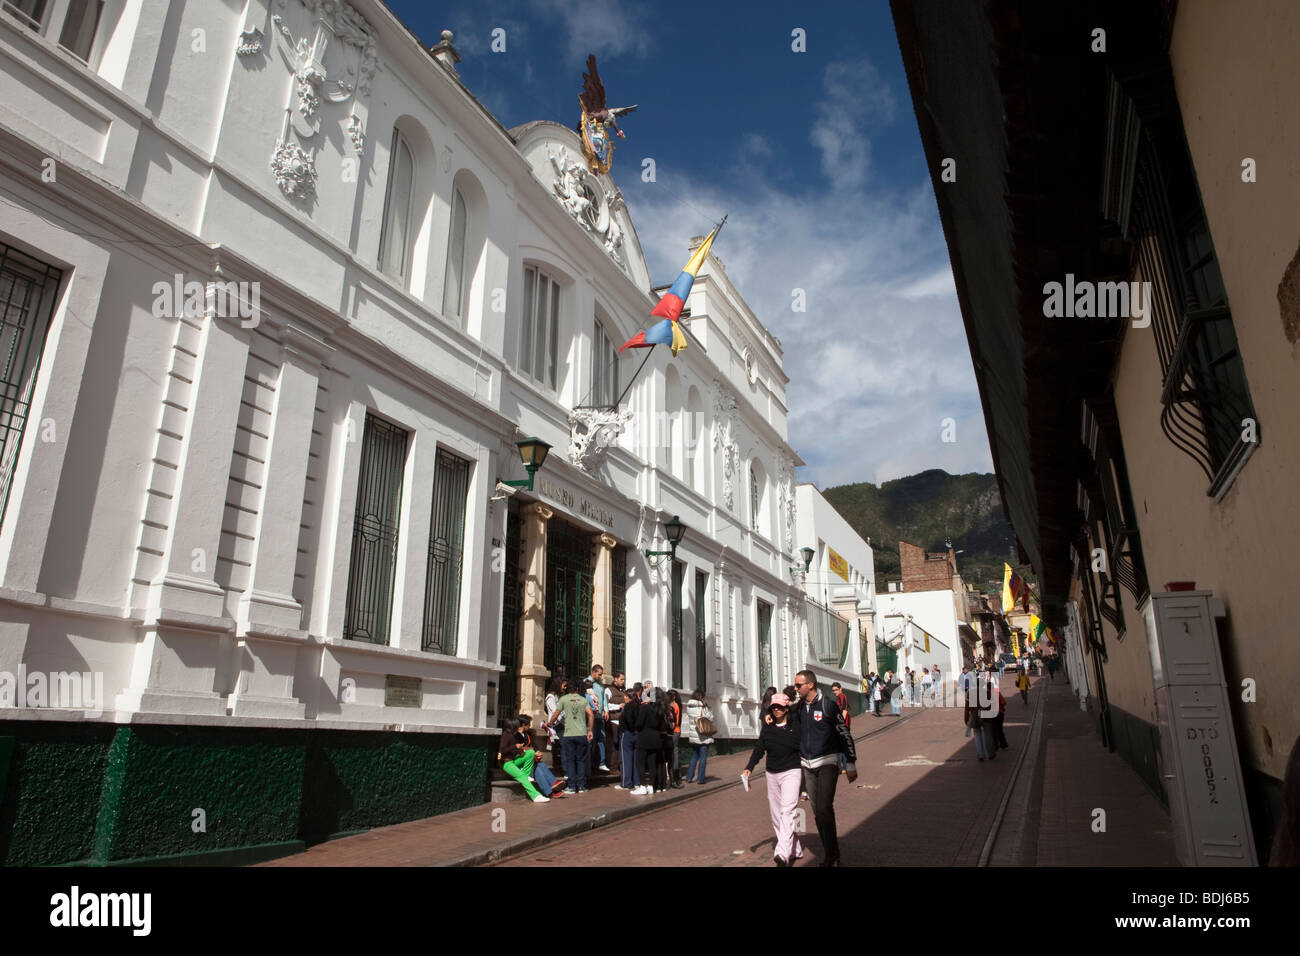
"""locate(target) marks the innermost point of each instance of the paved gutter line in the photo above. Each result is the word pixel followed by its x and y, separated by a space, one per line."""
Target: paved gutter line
pixel 617 814
pixel 1033 742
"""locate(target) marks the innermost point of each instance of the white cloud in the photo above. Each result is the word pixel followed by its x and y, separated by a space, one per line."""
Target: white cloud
pixel 855 94
pixel 880 358
pixel 601 27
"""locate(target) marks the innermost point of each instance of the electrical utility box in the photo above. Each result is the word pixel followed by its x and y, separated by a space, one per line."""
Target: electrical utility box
pixel 1200 767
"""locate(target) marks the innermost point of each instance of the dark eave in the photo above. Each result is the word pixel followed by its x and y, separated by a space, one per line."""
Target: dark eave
pixel 1014 93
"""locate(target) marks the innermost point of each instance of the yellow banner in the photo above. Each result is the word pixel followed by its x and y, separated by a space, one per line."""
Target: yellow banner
pixel 838 564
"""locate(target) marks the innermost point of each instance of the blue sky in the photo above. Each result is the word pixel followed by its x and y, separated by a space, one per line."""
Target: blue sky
pixel 816 158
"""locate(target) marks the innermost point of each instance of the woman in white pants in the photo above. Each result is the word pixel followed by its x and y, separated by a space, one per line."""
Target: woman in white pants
pixel 779 740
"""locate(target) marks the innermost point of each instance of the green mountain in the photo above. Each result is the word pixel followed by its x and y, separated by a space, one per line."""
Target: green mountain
pixel 926 510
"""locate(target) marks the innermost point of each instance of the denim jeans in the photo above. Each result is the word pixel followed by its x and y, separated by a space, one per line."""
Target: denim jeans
pixel 575 753
pixel 598 740
pixel 699 754
pixel 983 735
pixel 544 779
pixel 627 759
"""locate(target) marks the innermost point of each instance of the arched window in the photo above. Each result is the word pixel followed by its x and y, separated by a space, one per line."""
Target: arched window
pixel 394 251
pixel 453 295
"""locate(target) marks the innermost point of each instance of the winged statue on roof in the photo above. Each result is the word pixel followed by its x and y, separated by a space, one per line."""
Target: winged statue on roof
pixel 598 120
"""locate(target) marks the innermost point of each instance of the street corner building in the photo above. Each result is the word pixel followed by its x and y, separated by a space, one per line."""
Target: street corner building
pixel 282 304
pixel 1138 158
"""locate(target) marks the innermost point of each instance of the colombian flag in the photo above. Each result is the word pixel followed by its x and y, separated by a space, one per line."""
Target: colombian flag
pixel 668 332
pixel 1012 586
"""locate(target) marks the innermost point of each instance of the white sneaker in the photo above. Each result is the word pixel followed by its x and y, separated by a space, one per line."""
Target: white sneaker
pixel 603 767
pixel 640 791
pixel 619 786
pixel 540 799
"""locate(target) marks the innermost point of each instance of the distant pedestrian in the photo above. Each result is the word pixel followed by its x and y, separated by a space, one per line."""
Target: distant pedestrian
pixel 1022 684
pixel 616 698
pixel 600 714
pixel 927 686
pixel 877 696
pixel 576 739
pixel 779 740
pixel 675 764
pixel 627 740
pixel 822 736
pixel 649 727
pixel 938 684
pixel 554 690
pixel 699 734
pixel 1000 702
pixel 842 701
pixel 895 692
pixel 977 723
pixel 665 757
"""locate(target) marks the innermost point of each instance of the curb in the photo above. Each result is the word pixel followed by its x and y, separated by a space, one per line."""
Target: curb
pixel 618 814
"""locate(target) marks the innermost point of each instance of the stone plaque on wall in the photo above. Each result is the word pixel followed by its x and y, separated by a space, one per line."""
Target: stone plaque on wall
pixel 401 691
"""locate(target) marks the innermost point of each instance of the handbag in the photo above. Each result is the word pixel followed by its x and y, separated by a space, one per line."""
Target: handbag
pixel 704 727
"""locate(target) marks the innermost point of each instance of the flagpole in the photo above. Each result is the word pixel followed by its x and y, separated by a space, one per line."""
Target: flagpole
pixel 648 352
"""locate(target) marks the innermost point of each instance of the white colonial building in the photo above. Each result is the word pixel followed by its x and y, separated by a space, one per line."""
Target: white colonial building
pixel 279 298
pixel 840 591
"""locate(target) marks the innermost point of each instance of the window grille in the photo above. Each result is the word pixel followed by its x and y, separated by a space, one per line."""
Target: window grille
pixel 443 572
pixel 374 533
pixel 28 289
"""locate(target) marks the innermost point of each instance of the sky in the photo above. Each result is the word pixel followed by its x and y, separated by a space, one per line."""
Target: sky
pixel 815 157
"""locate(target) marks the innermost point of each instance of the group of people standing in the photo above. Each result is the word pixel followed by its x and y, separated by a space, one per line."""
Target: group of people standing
pixel 638 728
pixel 805 735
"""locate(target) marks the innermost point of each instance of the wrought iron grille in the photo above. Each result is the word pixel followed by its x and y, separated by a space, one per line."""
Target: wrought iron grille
pixel 512 605
pixel 886 658
pixel 1205 397
pixel 442 574
pixel 28 289
pixel 764 645
pixel 374 533
pixel 619 609
pixel 828 633
pixel 679 573
pixel 569 571
pixel 701 649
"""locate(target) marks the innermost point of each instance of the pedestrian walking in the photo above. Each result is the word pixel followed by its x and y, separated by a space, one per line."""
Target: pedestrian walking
pixel 976 718
pixel 934 679
pixel 575 742
pixel 699 734
pixel 1022 684
pixel 822 736
pixel 779 741
pixel 627 740
pixel 877 696
pixel 927 686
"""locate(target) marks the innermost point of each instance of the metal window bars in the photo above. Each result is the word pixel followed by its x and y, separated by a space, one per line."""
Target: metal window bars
pixel 28 291
pixel 374 533
pixel 443 570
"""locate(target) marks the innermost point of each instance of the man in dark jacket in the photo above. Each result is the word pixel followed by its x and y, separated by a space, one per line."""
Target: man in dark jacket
pixel 823 736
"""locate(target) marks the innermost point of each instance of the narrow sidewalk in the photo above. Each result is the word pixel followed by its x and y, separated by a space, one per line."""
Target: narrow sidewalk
pixel 1069 786
pixel 492 832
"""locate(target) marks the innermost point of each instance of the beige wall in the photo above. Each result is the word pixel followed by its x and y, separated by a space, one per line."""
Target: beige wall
pixel 1237 75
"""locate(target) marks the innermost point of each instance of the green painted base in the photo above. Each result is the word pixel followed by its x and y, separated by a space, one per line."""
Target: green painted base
pixel 110 795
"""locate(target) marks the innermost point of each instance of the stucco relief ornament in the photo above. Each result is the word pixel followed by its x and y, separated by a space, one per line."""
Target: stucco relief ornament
pixel 592 431
pixel 356 134
pixel 581 194
pixel 250 42
pixel 315 84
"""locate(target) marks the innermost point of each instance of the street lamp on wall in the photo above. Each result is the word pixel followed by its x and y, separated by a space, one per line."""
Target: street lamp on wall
pixel 674 530
pixel 533 452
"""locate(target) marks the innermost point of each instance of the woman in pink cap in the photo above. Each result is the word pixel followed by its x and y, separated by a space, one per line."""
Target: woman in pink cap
pixel 779 739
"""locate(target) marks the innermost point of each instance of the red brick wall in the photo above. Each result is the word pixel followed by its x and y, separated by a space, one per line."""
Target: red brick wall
pixel 924 573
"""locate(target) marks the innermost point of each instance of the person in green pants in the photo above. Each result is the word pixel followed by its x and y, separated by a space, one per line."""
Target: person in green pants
pixel 518 762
